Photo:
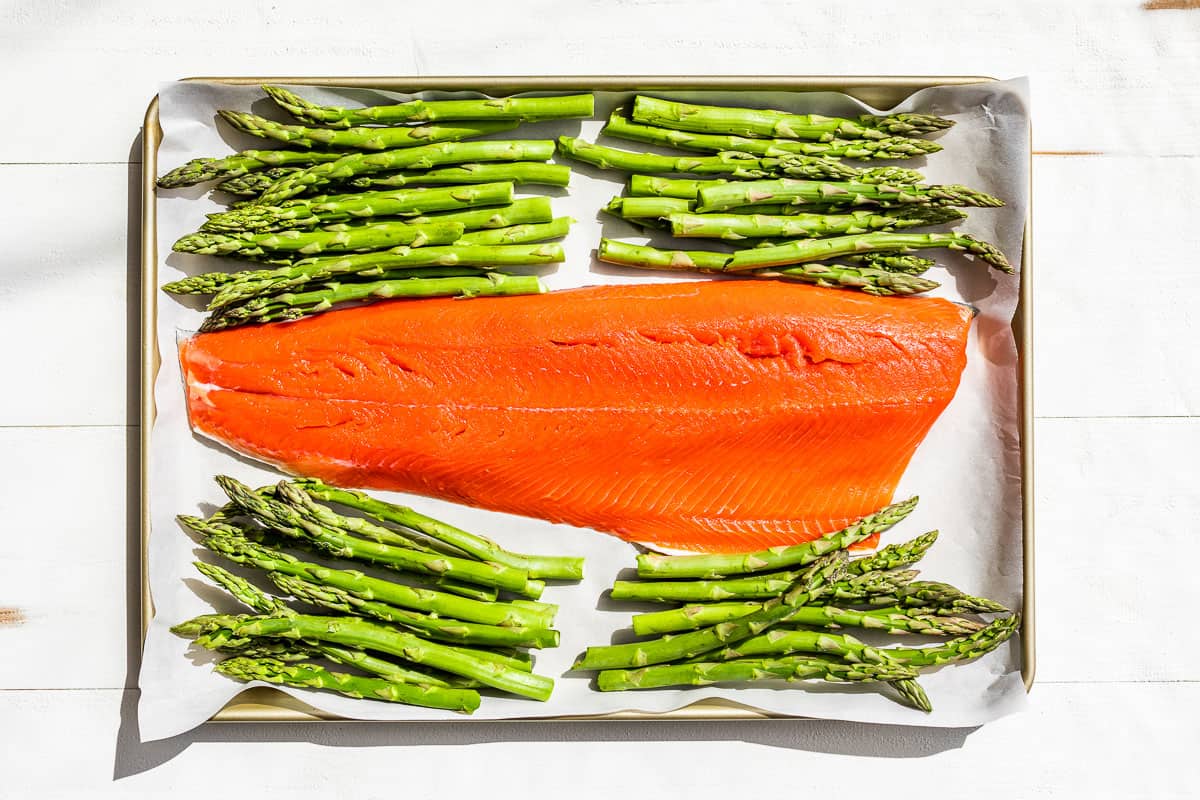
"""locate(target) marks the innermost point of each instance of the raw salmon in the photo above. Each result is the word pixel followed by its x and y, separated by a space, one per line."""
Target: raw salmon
pixel 714 415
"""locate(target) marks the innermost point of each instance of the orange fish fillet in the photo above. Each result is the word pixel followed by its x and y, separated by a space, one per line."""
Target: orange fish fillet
pixel 715 415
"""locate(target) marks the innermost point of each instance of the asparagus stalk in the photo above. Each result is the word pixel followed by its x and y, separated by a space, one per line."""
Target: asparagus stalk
pixel 253 597
pixel 253 184
pixel 366 237
pixel 892 147
pixel 638 208
pixel 758 123
pixel 552 567
pixel 284 519
pixel 312 676
pixel 719 565
pixel 691 617
pixel 788 191
pixel 889 175
pixel 200 170
pixel 738 165
pixel 512 108
pixel 878 282
pixel 658 186
pixel 359 633
pixel 353 165
pixel 229 543
pixel 518 234
pixel 791 668
pixel 931 594
pixel 518 172
pixel 784 642
pixel 646 257
pixel 743 226
pixel 763 586
pixel 289 307
pixel 799 252
pixel 964 648
pixel 361 138
pixel 894 556
pixel 323 515
pixel 689 645
pixel 308 212
pixel 469 633
pixel 891 261
pixel 252 283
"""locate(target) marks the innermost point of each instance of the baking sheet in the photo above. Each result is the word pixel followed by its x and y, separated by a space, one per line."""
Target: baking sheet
pixel 968 470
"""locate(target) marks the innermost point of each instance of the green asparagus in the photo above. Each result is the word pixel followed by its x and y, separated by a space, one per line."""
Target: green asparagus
pixel 824 570
pixel 980 643
pixel 552 567
pixel 312 676
pixel 446 630
pixel 518 234
pixel 200 170
pixel 792 668
pixel 522 109
pixel 353 165
pixel 878 282
pixel 517 172
pixel 717 565
pixel 309 212
pixel 364 237
pixel 799 252
pixel 361 138
pixel 894 556
pixel 284 519
pixel 359 633
pixel 788 191
pixel 253 184
pixel 758 123
pixel 702 615
pixel 738 165
pixel 254 283
pixel 892 147
pixel 742 226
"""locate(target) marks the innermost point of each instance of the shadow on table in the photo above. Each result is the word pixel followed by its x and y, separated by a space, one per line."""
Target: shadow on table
pixel 132 756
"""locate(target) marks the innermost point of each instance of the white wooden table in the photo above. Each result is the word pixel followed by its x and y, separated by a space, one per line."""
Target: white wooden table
pixel 1116 708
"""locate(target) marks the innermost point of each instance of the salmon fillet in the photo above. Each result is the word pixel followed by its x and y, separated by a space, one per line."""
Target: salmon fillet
pixel 717 415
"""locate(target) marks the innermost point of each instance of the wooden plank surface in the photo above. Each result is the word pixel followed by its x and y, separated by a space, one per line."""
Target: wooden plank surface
pixel 1115 115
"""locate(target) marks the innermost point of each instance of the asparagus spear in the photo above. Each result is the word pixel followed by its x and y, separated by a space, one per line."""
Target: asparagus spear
pixel 228 542
pixel 514 108
pixel 788 191
pixel 361 138
pixel 691 617
pixel 637 208
pixel 517 172
pixel 289 307
pixel 718 565
pixel 890 175
pixel 352 165
pixel 932 594
pixel 658 186
pixel 365 237
pixel 253 184
pixel 284 519
pixel 738 165
pixel 791 668
pixel 826 569
pixel 768 585
pixel 470 633
pixel 742 226
pixel 518 234
pixel 250 595
pixel 308 212
pixel 312 676
pixel 359 633
pixel 891 261
pixel 964 648
pixel 892 147
pixel 784 642
pixel 799 252
pixel 894 556
pixel 878 282
pixel 394 263
pixel 758 123
pixel 199 170
pixel 552 567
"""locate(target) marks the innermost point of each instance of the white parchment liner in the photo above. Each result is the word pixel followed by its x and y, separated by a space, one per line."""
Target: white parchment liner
pixel 967 471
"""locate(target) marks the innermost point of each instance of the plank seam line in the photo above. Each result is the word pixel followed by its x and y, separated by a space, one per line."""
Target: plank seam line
pixel 67 163
pixel 1116 416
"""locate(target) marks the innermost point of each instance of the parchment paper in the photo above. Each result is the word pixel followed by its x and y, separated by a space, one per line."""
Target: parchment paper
pixel 967 471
